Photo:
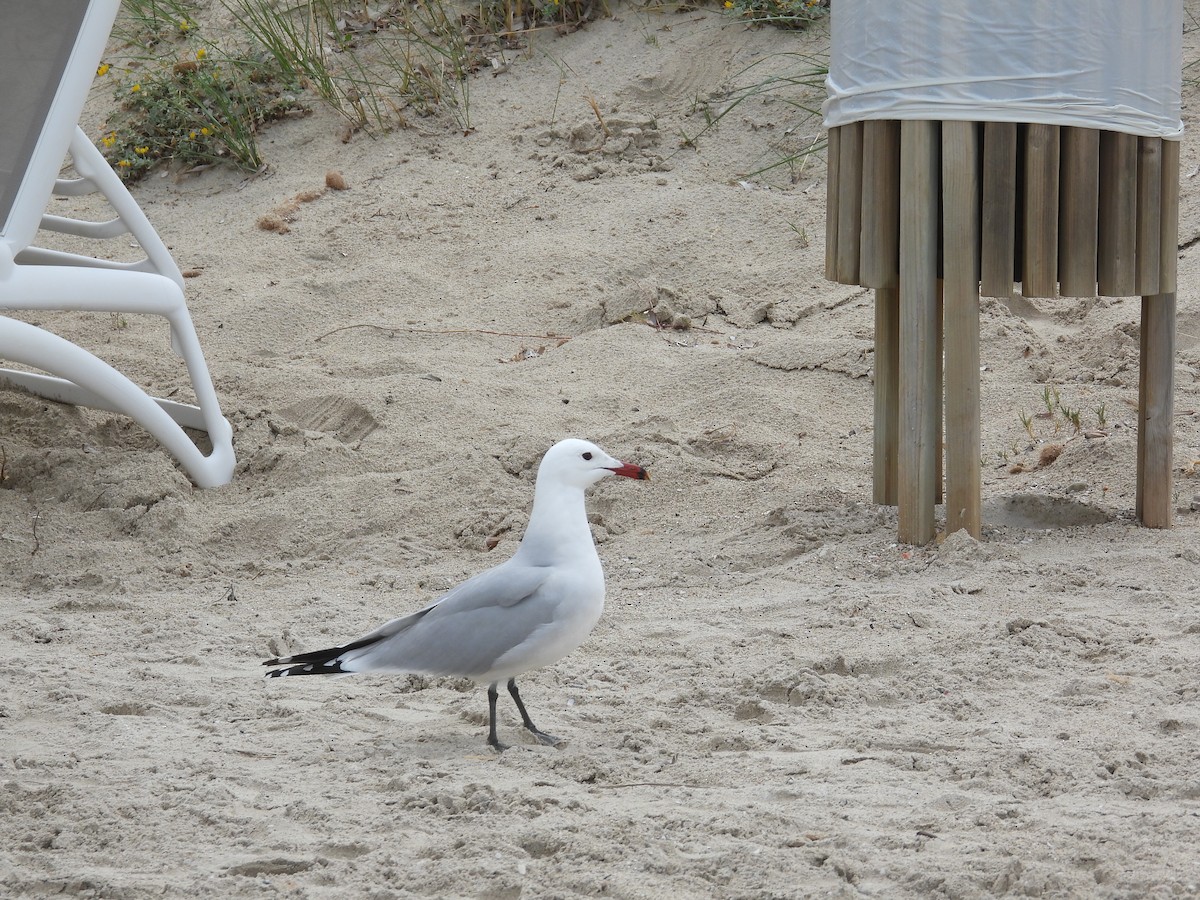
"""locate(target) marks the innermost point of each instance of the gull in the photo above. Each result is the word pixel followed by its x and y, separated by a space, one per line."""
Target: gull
pixel 528 612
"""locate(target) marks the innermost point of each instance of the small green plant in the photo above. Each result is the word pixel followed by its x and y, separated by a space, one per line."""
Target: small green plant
pixel 1072 415
pixel 563 69
pixel 144 23
pixel 510 19
pixel 182 98
pixel 796 14
pixel 1027 422
pixel 193 112
pixel 1056 415
pixel 1050 399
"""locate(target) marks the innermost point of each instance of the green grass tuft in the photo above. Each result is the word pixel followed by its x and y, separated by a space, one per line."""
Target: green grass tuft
pixel 795 14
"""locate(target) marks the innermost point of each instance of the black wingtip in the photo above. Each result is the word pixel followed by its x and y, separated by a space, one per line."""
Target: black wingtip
pixel 317 662
pixel 319 667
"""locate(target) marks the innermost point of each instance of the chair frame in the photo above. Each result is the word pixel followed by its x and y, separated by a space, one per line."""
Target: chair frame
pixel 36 278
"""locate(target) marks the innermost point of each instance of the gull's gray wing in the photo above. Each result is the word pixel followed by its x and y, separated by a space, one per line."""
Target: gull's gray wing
pixel 464 631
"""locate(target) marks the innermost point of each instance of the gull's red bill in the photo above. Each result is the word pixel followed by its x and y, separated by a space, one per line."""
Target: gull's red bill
pixel 630 470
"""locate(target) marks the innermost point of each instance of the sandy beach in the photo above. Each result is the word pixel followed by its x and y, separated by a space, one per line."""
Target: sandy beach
pixel 779 701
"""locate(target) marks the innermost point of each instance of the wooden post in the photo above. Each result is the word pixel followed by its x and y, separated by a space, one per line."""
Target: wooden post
pixel 832 164
pixel 1156 413
pixel 998 237
pixel 961 188
pixel 1080 186
pixel 1040 234
pixel 919 391
pixel 1117 226
pixel 1155 449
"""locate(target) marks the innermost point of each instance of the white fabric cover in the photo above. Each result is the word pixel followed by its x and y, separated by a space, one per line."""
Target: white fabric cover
pixel 1109 64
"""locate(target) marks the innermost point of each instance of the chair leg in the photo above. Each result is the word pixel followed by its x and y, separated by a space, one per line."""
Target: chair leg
pixel 106 388
pixel 139 293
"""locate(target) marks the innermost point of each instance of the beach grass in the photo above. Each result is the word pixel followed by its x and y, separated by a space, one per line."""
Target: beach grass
pixel 190 97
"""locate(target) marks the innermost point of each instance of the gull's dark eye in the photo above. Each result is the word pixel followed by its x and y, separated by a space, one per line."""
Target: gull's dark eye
pixel 587 456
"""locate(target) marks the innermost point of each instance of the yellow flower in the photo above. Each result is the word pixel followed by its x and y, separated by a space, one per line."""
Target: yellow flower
pixel 136 88
pixel 183 25
pixel 729 4
pixel 201 53
pixel 109 139
pixel 191 135
pixel 124 164
pixel 103 69
pixel 204 131
pixel 142 151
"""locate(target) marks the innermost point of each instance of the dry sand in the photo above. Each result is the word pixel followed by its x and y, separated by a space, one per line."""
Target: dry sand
pixel 780 701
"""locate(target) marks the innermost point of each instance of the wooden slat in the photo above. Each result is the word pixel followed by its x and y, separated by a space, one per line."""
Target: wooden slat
pixel 1116 273
pixel 879 262
pixel 919 392
pixel 832 163
pixel 998 237
pixel 850 172
pixel 879 268
pixel 1169 240
pixel 1155 450
pixel 1149 215
pixel 961 190
pixel 1079 182
pixel 887 397
pixel 939 379
pixel 1040 234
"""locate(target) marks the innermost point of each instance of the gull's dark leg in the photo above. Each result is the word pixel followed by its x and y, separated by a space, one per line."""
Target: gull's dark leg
pixel 537 733
pixel 494 741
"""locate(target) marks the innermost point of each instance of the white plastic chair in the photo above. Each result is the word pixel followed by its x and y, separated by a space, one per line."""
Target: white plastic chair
pixel 49 53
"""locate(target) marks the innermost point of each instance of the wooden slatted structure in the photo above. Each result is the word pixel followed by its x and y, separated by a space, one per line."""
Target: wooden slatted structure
pixel 930 215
